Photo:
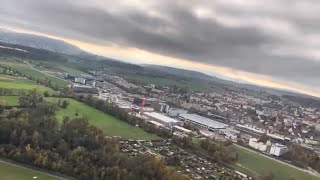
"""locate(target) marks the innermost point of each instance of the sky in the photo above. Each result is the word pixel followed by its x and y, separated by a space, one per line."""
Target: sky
pixel 274 43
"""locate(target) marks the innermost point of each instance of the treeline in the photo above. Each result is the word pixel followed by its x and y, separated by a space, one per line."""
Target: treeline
pixel 303 157
pixel 221 152
pixel 33 136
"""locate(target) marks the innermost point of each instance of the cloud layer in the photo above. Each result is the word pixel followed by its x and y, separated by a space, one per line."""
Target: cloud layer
pixel 277 38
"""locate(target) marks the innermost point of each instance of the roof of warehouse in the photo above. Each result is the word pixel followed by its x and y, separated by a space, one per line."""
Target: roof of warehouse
pixel 161 117
pixel 204 121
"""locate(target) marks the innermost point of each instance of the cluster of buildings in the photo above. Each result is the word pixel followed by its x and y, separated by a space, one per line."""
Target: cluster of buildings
pixel 188 163
pixel 275 149
pixel 236 114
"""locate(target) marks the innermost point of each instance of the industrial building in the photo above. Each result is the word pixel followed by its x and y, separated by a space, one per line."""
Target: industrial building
pixel 174 112
pixel 165 120
pixel 202 122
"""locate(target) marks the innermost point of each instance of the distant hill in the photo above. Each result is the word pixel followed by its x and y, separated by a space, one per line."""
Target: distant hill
pixel 199 75
pixel 44 48
pixel 38 42
pixel 179 72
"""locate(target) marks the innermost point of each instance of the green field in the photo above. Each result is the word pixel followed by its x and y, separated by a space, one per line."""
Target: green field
pixel 108 124
pixel 10 171
pixel 25 69
pixel 256 165
pixel 18 83
pixel 9 100
pixel 72 71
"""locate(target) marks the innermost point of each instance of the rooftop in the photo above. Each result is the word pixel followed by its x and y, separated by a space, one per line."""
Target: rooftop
pixel 160 117
pixel 204 121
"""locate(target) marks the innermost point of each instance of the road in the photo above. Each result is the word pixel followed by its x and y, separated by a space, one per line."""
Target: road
pixel 30 169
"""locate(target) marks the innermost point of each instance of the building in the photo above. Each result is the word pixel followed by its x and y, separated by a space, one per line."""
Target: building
pixel 84 89
pixel 231 133
pixel 202 122
pixel 165 120
pixel 110 98
pixel 139 101
pixel 253 142
pixel 160 107
pixel 174 112
pixel 69 76
pixel 182 130
pixel 278 149
pixel 80 80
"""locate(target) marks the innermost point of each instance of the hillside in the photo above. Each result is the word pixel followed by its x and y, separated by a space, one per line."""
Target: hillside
pixel 39 42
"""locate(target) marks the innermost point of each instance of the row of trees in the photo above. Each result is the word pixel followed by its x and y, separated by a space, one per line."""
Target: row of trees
pixel 221 152
pixel 303 157
pixel 33 136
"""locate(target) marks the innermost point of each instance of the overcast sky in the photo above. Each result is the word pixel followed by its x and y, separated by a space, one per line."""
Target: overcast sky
pixel 275 39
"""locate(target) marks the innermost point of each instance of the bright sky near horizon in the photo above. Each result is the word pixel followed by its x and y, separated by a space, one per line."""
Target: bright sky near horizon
pixel 274 43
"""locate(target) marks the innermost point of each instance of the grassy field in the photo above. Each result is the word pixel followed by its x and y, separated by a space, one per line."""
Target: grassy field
pixel 108 124
pixel 25 69
pixel 73 71
pixel 256 165
pixel 17 83
pixel 9 100
pixel 14 172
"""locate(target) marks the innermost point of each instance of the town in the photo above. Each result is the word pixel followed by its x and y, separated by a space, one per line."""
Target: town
pixel 261 122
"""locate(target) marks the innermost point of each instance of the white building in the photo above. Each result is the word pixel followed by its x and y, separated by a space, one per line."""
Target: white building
pixel 253 142
pixel 80 80
pixel 278 149
pixel 165 120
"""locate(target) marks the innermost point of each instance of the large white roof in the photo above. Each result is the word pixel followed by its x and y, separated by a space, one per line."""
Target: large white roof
pixel 160 117
pixel 204 121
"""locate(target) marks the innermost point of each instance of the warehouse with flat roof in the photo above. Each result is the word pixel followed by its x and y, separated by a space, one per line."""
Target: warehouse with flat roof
pixel 202 121
pixel 160 118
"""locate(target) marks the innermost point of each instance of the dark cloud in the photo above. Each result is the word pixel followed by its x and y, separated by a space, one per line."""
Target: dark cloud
pixel 243 36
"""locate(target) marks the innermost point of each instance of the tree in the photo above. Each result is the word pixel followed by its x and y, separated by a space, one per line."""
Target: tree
pixel 65 104
pixel 32 99
pixel 46 94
